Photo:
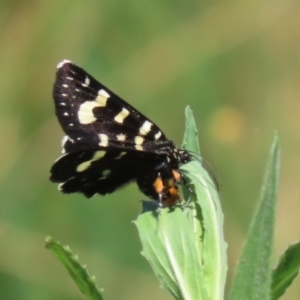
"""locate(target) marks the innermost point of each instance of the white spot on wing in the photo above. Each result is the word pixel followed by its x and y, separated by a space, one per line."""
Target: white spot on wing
pixel 158 135
pixel 121 155
pixel 64 140
pixel 138 142
pixel 85 112
pixel 102 97
pixel 66 114
pixel 139 147
pixel 69 78
pixel 86 164
pixel 121 137
pixel 60 186
pixel 83 166
pixel 121 116
pixel 146 127
pixel 65 61
pixel 98 154
pixel 65 86
pixel 103 140
pixel 86 82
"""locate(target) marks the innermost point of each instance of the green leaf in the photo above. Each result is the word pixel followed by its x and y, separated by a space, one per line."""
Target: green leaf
pixel 82 279
pixel 253 276
pixel 212 246
pixel 185 244
pixel 207 210
pixel 190 139
pixel 286 270
pixel 168 244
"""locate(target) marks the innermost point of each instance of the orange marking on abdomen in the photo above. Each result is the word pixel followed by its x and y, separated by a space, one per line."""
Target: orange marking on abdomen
pixel 173 191
pixel 158 185
pixel 176 175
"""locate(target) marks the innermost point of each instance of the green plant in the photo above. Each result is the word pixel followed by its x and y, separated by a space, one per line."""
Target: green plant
pixel 185 244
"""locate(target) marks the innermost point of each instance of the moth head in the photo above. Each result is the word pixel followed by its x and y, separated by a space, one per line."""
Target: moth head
pixel 184 156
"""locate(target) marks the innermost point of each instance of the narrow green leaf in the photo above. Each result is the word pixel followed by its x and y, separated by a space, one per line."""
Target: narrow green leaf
pixel 286 270
pixel 79 274
pixel 190 139
pixel 253 276
pixel 207 212
pixel 185 244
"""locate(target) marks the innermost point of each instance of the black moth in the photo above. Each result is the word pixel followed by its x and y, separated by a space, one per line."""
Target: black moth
pixel 108 143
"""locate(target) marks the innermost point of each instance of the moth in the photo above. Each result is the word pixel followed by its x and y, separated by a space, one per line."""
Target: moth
pixel 108 143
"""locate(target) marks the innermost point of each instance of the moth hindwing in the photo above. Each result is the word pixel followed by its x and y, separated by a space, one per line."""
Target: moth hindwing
pixel 108 143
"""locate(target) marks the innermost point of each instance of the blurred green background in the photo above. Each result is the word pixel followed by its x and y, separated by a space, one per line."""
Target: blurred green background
pixel 236 63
